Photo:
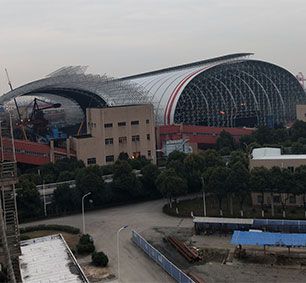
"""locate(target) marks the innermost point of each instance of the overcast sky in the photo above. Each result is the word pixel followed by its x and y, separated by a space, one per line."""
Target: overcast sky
pixel 124 37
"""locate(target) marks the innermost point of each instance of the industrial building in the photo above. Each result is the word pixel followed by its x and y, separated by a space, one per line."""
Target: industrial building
pixel 112 130
pixel 224 92
pixel 228 91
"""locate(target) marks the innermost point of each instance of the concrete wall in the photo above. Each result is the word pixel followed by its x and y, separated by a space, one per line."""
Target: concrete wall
pixel 282 163
pixel 108 123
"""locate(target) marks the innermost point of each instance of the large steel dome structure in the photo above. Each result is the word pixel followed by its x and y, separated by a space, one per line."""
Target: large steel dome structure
pixel 232 90
pixel 229 91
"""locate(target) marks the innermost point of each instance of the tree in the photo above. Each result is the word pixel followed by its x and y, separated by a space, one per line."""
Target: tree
pixel 150 173
pixel 238 182
pixel 28 200
pixel 170 184
pixel 99 259
pixel 211 158
pixel 225 140
pixel 123 156
pixel 194 166
pixel 218 184
pixel 260 182
pixel 89 179
pixel 263 135
pixel 67 199
pixel 280 183
pixel 239 156
pixel 176 156
pixel 125 183
pixel 300 188
pixel 298 130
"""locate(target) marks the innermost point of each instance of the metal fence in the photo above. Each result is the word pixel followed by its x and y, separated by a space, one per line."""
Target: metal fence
pixel 160 259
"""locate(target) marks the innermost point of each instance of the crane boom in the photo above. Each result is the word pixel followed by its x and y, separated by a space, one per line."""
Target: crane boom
pixel 8 79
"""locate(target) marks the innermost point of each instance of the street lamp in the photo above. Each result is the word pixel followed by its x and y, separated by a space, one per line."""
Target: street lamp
pixel 83 215
pixel 204 197
pixel 118 255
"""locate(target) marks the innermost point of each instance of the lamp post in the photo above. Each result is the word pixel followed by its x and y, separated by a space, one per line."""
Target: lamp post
pixel 204 198
pixel 118 254
pixel 83 215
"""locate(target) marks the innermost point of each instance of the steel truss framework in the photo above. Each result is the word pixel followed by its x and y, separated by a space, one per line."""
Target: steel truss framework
pixel 86 89
pixel 245 93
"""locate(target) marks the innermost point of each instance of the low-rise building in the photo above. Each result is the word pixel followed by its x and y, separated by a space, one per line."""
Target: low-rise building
pixel 272 157
pixel 112 130
pixel 269 157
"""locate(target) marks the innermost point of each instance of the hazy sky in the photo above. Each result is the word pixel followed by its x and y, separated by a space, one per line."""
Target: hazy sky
pixel 124 37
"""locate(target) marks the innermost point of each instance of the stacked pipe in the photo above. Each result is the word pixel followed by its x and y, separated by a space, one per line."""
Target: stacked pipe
pixel 190 254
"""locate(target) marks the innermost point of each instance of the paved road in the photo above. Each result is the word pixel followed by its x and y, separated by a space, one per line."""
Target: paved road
pixel 135 266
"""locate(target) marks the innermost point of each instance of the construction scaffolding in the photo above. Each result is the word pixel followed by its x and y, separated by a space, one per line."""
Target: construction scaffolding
pixel 9 234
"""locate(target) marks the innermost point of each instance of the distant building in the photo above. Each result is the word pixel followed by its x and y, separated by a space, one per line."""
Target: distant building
pixel 270 157
pixel 198 137
pixel 112 130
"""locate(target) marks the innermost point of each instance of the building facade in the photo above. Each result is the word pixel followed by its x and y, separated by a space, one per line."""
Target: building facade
pixel 112 130
pixel 271 157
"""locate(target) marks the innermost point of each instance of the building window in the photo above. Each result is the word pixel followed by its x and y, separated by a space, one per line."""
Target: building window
pixel 135 138
pixel 148 137
pixel 91 161
pixel 147 121
pixel 109 141
pixel 109 158
pixel 133 123
pixel 108 125
pixel 121 124
pixel 149 153
pixel 292 199
pixel 136 154
pixel 122 139
pixel 259 199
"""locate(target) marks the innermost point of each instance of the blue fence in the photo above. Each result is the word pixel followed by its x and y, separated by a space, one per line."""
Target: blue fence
pixel 160 259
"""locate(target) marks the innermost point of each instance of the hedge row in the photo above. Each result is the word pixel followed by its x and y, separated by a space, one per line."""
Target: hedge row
pixel 63 228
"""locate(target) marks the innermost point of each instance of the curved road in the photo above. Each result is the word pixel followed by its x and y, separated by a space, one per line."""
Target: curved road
pixel 103 224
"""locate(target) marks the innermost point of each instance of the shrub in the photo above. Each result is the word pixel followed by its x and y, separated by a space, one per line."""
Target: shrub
pixel 85 245
pixel 85 249
pixel 23 238
pixel 99 259
pixel 63 228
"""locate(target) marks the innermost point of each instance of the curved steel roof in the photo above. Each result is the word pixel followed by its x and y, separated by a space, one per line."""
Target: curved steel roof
pixel 86 89
pixel 228 91
pixel 165 86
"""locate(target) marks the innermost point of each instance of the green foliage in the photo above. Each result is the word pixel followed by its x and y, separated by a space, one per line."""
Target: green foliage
pixel 99 259
pixel 85 245
pixel 66 199
pixel 225 140
pixel 56 227
pixel 176 156
pixel 28 200
pixel 211 158
pixel 150 173
pixel 239 156
pixel 298 130
pixel 170 184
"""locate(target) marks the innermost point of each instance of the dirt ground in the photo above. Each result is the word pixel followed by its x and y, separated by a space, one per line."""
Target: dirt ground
pixel 275 266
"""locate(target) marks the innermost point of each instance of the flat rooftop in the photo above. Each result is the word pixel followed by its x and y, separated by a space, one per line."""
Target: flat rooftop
pixel 269 153
pixel 49 259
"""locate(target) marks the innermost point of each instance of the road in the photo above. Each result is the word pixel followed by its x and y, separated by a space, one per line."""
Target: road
pixel 135 266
